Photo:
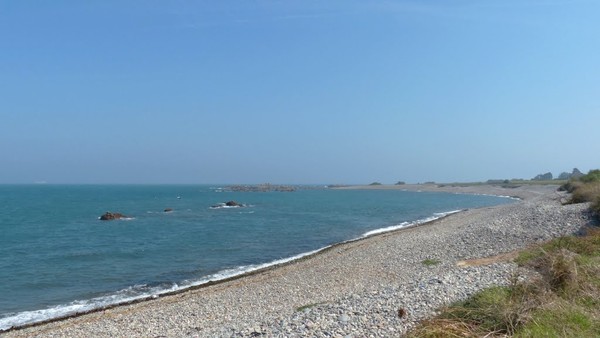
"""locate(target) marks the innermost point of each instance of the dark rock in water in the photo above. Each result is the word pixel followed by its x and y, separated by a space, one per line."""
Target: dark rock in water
pixel 233 204
pixel 230 204
pixel 168 209
pixel 109 216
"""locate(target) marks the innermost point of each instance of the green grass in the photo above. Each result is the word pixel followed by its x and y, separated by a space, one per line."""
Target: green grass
pixel 430 262
pixel 588 246
pixel 591 176
pixel 564 301
pixel 563 321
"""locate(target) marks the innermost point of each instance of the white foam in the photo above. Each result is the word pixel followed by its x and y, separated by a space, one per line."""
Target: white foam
pixel 386 229
pixel 435 216
pixel 491 195
pixel 132 294
pixel 225 206
pixel 138 292
pixel 229 273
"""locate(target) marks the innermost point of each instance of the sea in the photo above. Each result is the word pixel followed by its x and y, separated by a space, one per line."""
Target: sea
pixel 57 258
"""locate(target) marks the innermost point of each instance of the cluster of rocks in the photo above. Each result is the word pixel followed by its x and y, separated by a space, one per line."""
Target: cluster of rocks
pixel 110 216
pixel 260 188
pixel 228 204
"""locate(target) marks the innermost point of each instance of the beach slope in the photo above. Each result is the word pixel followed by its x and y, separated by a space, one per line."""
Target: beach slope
pixel 378 286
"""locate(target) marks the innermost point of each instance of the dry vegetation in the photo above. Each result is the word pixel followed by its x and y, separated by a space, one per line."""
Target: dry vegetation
pixel 585 189
pixel 562 300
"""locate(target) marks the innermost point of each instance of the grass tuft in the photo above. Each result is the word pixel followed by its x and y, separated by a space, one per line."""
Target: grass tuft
pixel 431 262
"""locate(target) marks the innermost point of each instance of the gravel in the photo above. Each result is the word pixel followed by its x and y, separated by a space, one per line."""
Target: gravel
pixel 376 287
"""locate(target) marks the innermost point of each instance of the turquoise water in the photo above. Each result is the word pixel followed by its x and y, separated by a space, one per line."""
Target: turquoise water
pixel 56 257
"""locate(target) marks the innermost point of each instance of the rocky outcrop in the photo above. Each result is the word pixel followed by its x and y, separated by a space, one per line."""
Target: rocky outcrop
pixel 109 216
pixel 229 204
pixel 261 188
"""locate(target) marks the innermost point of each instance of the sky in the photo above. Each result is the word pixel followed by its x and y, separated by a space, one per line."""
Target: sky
pixel 297 92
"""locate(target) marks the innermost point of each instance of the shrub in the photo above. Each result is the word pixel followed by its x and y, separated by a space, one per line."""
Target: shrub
pixel 589 192
pixel 570 186
pixel 592 176
pixel 543 177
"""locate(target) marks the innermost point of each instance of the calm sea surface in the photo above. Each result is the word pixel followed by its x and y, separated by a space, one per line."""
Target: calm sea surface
pixel 56 257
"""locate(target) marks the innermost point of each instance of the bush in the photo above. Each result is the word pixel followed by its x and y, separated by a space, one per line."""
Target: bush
pixel 585 189
pixel 570 186
pixel 592 176
pixel 586 193
pixel 543 177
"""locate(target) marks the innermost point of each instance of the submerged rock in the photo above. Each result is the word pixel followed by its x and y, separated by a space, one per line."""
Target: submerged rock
pixel 109 216
pixel 229 204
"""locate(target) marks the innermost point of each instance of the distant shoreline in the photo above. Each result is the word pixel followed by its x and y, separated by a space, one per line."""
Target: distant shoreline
pixel 521 191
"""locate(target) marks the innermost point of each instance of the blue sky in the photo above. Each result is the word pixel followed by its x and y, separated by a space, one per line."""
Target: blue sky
pixel 297 91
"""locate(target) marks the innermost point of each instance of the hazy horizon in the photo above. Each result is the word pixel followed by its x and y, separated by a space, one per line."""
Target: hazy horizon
pixel 297 92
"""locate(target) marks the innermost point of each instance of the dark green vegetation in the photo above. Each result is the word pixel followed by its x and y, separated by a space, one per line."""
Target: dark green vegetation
pixel 430 262
pixel 543 177
pixel 561 299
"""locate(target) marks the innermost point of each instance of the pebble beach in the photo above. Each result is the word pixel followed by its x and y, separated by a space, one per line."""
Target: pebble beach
pixel 379 286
